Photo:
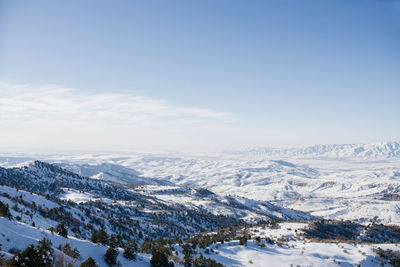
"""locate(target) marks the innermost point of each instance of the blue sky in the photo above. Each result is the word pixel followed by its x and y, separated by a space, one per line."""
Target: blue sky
pixel 197 74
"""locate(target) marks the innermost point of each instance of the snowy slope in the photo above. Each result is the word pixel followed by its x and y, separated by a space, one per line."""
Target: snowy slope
pixel 19 235
pixel 285 245
pixel 292 252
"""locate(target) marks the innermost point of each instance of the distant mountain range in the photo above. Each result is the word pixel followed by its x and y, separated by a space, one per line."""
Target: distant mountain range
pixel 381 150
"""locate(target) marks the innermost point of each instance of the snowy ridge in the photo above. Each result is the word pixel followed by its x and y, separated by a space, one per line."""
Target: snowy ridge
pixel 381 150
pixel 112 172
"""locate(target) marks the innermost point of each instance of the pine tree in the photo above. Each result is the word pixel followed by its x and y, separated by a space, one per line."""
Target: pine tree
pixel 111 256
pixel 243 241
pixel 187 251
pixel 45 251
pixel 68 250
pixel 99 236
pixel 159 259
pixel 62 230
pixel 5 211
pixel 115 240
pixel 130 250
pixel 89 263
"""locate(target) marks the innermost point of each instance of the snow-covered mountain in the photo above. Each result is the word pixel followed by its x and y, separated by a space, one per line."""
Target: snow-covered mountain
pixel 381 150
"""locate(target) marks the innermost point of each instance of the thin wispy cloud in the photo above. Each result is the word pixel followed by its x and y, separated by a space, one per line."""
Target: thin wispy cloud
pixel 55 118
pixel 49 102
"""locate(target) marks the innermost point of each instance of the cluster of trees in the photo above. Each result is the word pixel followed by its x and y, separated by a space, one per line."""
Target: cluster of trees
pixel 99 236
pixel 388 256
pixel 191 261
pixel 68 250
pixel 114 241
pixel 5 211
pixel 160 249
pixel 187 254
pixel 130 250
pixel 160 259
pixel 62 230
pixel 202 262
pixel 102 237
pixel 329 230
pixel 43 256
pixel 40 256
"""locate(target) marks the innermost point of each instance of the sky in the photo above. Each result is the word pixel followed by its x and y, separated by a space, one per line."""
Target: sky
pixel 197 75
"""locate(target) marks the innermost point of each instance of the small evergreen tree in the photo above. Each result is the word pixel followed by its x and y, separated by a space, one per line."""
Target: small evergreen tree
pixel 89 263
pixel 93 237
pixel 28 257
pixel 62 230
pixel 68 250
pixel 111 256
pixel 160 259
pixel 5 211
pixel 45 251
pixel 130 250
pixel 187 252
pixel 146 247
pixel 188 260
pixel 115 240
pixel 99 236
pixel 243 241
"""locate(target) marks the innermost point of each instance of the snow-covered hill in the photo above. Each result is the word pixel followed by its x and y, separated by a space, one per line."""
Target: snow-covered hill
pixel 50 179
pixel 112 172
